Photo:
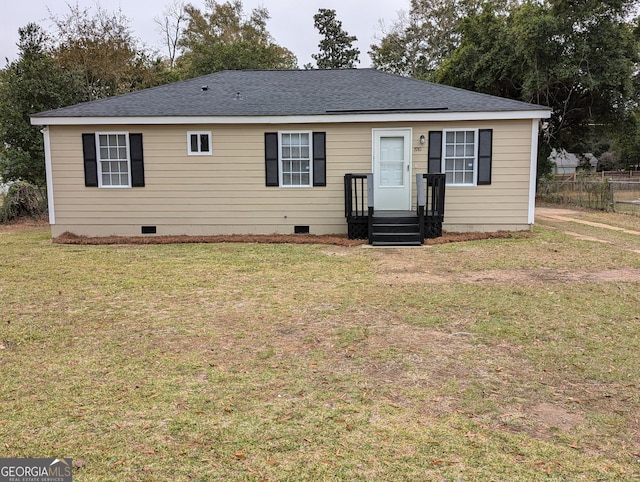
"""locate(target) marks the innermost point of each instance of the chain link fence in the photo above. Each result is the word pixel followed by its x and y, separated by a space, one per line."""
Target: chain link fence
pixel 620 194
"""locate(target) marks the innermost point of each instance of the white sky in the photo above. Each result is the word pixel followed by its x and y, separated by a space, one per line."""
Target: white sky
pixel 291 22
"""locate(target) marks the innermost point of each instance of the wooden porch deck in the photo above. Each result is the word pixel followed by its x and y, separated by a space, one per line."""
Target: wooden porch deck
pixel 393 227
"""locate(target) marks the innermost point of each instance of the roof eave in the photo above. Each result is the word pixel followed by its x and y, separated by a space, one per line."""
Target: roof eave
pixel 296 119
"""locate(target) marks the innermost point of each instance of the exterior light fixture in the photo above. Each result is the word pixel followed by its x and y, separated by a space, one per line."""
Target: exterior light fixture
pixel 422 139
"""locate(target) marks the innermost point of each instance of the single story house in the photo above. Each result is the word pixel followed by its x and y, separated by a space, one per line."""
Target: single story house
pixel 569 163
pixel 263 152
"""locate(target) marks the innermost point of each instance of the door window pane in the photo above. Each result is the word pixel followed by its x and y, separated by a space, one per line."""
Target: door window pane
pixel 391 161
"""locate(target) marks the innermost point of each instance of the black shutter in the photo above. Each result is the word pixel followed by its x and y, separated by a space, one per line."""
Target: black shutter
pixel 435 152
pixel 271 158
pixel 137 160
pixel 90 160
pixel 319 159
pixel 485 149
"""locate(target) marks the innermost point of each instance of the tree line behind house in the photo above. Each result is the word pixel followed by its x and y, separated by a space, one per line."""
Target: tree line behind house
pixel 580 58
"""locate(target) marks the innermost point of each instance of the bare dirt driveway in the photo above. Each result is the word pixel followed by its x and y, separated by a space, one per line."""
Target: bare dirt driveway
pixel 621 230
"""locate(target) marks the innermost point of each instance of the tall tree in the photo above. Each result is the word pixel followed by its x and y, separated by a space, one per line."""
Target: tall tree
pixel 221 38
pixel 336 46
pixel 101 48
pixel 419 41
pixel 170 26
pixel 577 57
pixel 30 84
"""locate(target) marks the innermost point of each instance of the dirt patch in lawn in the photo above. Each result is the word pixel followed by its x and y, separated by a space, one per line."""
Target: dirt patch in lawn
pixel 555 416
pixel 23 223
pixel 396 274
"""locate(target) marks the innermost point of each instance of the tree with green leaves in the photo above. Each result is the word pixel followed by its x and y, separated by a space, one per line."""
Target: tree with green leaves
pixel 419 41
pixel 30 84
pixel 222 38
pixel 336 46
pixel 579 58
pixel 100 47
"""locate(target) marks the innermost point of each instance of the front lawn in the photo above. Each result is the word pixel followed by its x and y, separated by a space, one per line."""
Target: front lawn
pixel 508 359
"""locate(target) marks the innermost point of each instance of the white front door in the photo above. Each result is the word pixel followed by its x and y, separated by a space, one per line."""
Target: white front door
pixel 392 169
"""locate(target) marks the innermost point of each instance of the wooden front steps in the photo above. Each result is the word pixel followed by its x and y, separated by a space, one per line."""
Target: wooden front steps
pixel 395 228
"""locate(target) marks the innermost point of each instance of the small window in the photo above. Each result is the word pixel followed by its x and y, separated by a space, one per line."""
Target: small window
pixel 295 159
pixel 114 169
pixel 460 157
pixel 199 143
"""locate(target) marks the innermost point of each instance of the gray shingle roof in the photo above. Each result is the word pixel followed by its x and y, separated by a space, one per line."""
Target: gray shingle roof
pixel 292 93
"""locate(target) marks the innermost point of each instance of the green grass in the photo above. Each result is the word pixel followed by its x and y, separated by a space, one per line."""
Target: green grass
pixel 281 362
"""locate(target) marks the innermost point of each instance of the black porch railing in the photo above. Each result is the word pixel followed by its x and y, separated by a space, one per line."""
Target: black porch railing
pixel 358 204
pixel 430 204
pixel 359 211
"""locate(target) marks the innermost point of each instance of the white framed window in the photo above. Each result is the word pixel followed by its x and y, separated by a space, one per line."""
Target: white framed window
pixel 294 154
pixel 460 159
pixel 199 143
pixel 114 166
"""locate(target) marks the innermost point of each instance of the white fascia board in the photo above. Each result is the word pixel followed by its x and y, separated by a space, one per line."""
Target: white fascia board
pixel 311 119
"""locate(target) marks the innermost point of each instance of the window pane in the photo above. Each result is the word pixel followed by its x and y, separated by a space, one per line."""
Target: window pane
pixel 304 179
pixel 286 139
pixel 122 153
pixel 104 153
pixel 459 178
pixel 295 152
pixel 286 152
pixel 305 152
pixel 468 177
pixel 102 140
pixel 124 179
pixel 204 143
pixel 106 167
pixel 469 150
pixel 194 143
pixel 449 177
pixel 471 136
pixel 450 137
pixel 105 180
pixel 448 164
pixel 450 151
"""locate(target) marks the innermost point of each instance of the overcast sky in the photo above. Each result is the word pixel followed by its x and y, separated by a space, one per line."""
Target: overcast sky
pixel 291 21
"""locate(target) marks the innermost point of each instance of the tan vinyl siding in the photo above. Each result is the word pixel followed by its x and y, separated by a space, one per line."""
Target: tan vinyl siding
pixel 225 193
